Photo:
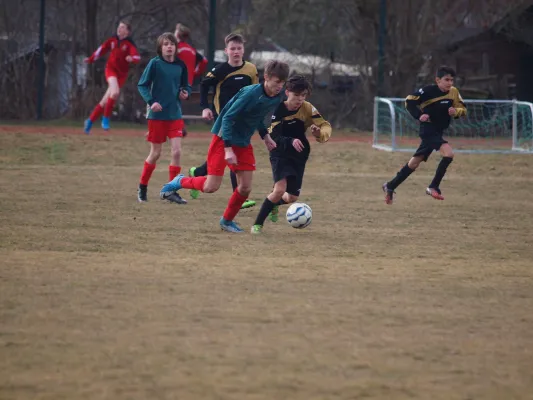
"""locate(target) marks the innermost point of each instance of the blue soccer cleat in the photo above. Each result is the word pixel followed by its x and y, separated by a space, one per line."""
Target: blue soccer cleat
pixel 230 226
pixel 87 127
pixel 172 187
pixel 105 123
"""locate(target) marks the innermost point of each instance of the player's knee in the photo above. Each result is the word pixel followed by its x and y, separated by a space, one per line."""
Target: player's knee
pixel 291 198
pixel 244 189
pixel 155 154
pixel 414 163
pixel 211 187
pixel 278 192
pixel 176 152
pixel 114 94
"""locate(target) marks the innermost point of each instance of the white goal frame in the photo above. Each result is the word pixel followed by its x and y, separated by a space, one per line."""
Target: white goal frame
pixel 515 148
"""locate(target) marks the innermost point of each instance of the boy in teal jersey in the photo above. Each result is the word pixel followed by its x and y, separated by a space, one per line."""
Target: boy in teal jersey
pixel 163 84
pixel 230 146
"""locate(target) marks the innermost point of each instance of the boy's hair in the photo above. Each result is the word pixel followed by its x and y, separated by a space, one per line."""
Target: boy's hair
pixel 444 70
pixel 182 32
pixel 278 69
pixel 165 36
pixel 234 37
pixel 127 24
pixel 298 84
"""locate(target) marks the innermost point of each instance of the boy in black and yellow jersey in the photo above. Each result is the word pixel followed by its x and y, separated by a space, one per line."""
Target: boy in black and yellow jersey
pixel 434 106
pixel 227 79
pixel 289 123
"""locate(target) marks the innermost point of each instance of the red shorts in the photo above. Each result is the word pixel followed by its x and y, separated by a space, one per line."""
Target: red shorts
pixel 160 130
pixel 121 78
pixel 216 162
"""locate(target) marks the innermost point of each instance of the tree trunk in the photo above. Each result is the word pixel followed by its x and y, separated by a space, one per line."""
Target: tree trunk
pixel 91 12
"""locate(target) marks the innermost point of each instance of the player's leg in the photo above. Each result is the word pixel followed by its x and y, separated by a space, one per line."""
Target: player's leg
pixel 234 183
pixel 422 154
pixel 270 203
pixel 149 164
pixel 244 170
pixel 447 157
pixel 237 199
pixel 114 91
pixel 207 184
pixel 173 130
pixel 295 176
pixel 96 113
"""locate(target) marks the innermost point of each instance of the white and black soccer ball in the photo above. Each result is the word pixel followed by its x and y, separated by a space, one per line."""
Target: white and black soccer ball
pixel 299 215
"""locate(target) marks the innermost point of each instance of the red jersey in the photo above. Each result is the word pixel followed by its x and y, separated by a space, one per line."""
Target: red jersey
pixel 119 49
pixel 195 62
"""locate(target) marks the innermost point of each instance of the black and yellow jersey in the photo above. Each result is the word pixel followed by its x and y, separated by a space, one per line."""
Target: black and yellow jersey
pixel 289 125
pixel 228 81
pixel 436 103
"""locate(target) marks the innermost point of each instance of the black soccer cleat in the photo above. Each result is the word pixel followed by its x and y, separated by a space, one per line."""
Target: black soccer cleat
pixel 389 194
pixel 142 193
pixel 173 197
pixel 435 193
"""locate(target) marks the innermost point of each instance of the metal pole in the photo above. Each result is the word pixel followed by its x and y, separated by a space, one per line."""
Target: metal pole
pixel 40 92
pixel 381 45
pixel 212 33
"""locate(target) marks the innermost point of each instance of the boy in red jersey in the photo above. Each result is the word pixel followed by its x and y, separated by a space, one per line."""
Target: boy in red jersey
pixel 195 62
pixel 123 52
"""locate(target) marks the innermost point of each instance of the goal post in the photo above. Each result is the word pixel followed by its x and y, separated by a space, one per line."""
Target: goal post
pixel 490 126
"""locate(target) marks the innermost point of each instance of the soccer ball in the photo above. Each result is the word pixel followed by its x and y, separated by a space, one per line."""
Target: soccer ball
pixel 299 215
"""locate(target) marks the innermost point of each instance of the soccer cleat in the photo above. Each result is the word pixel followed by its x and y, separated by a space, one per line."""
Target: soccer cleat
pixel 105 123
pixel 142 193
pixel 257 229
pixel 87 127
pixel 230 226
pixel 435 193
pixel 194 193
pixel 389 194
pixel 248 204
pixel 274 214
pixel 174 198
pixel 173 186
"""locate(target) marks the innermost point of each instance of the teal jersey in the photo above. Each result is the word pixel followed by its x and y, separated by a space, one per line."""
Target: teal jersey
pixel 161 83
pixel 244 114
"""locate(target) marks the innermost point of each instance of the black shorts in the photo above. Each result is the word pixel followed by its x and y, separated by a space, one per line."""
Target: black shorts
pixel 428 145
pixel 290 169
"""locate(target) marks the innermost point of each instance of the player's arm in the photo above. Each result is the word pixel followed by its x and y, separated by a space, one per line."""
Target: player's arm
pixel 201 65
pixel 100 51
pixel 134 54
pixel 184 84
pixel 211 79
pixel 145 83
pixel 238 104
pixel 458 104
pixel 412 104
pixel 261 126
pixel 323 131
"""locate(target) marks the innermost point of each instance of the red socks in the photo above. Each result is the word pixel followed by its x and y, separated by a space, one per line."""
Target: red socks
pixel 97 112
pixel 109 107
pixel 173 171
pixel 147 173
pixel 234 205
pixel 196 182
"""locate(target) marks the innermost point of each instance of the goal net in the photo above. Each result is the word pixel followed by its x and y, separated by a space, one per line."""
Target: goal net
pixel 491 126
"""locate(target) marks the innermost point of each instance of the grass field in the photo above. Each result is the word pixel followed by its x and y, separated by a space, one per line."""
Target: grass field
pixel 105 298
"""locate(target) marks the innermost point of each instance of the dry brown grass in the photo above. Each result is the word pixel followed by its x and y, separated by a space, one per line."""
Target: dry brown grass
pixel 103 298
